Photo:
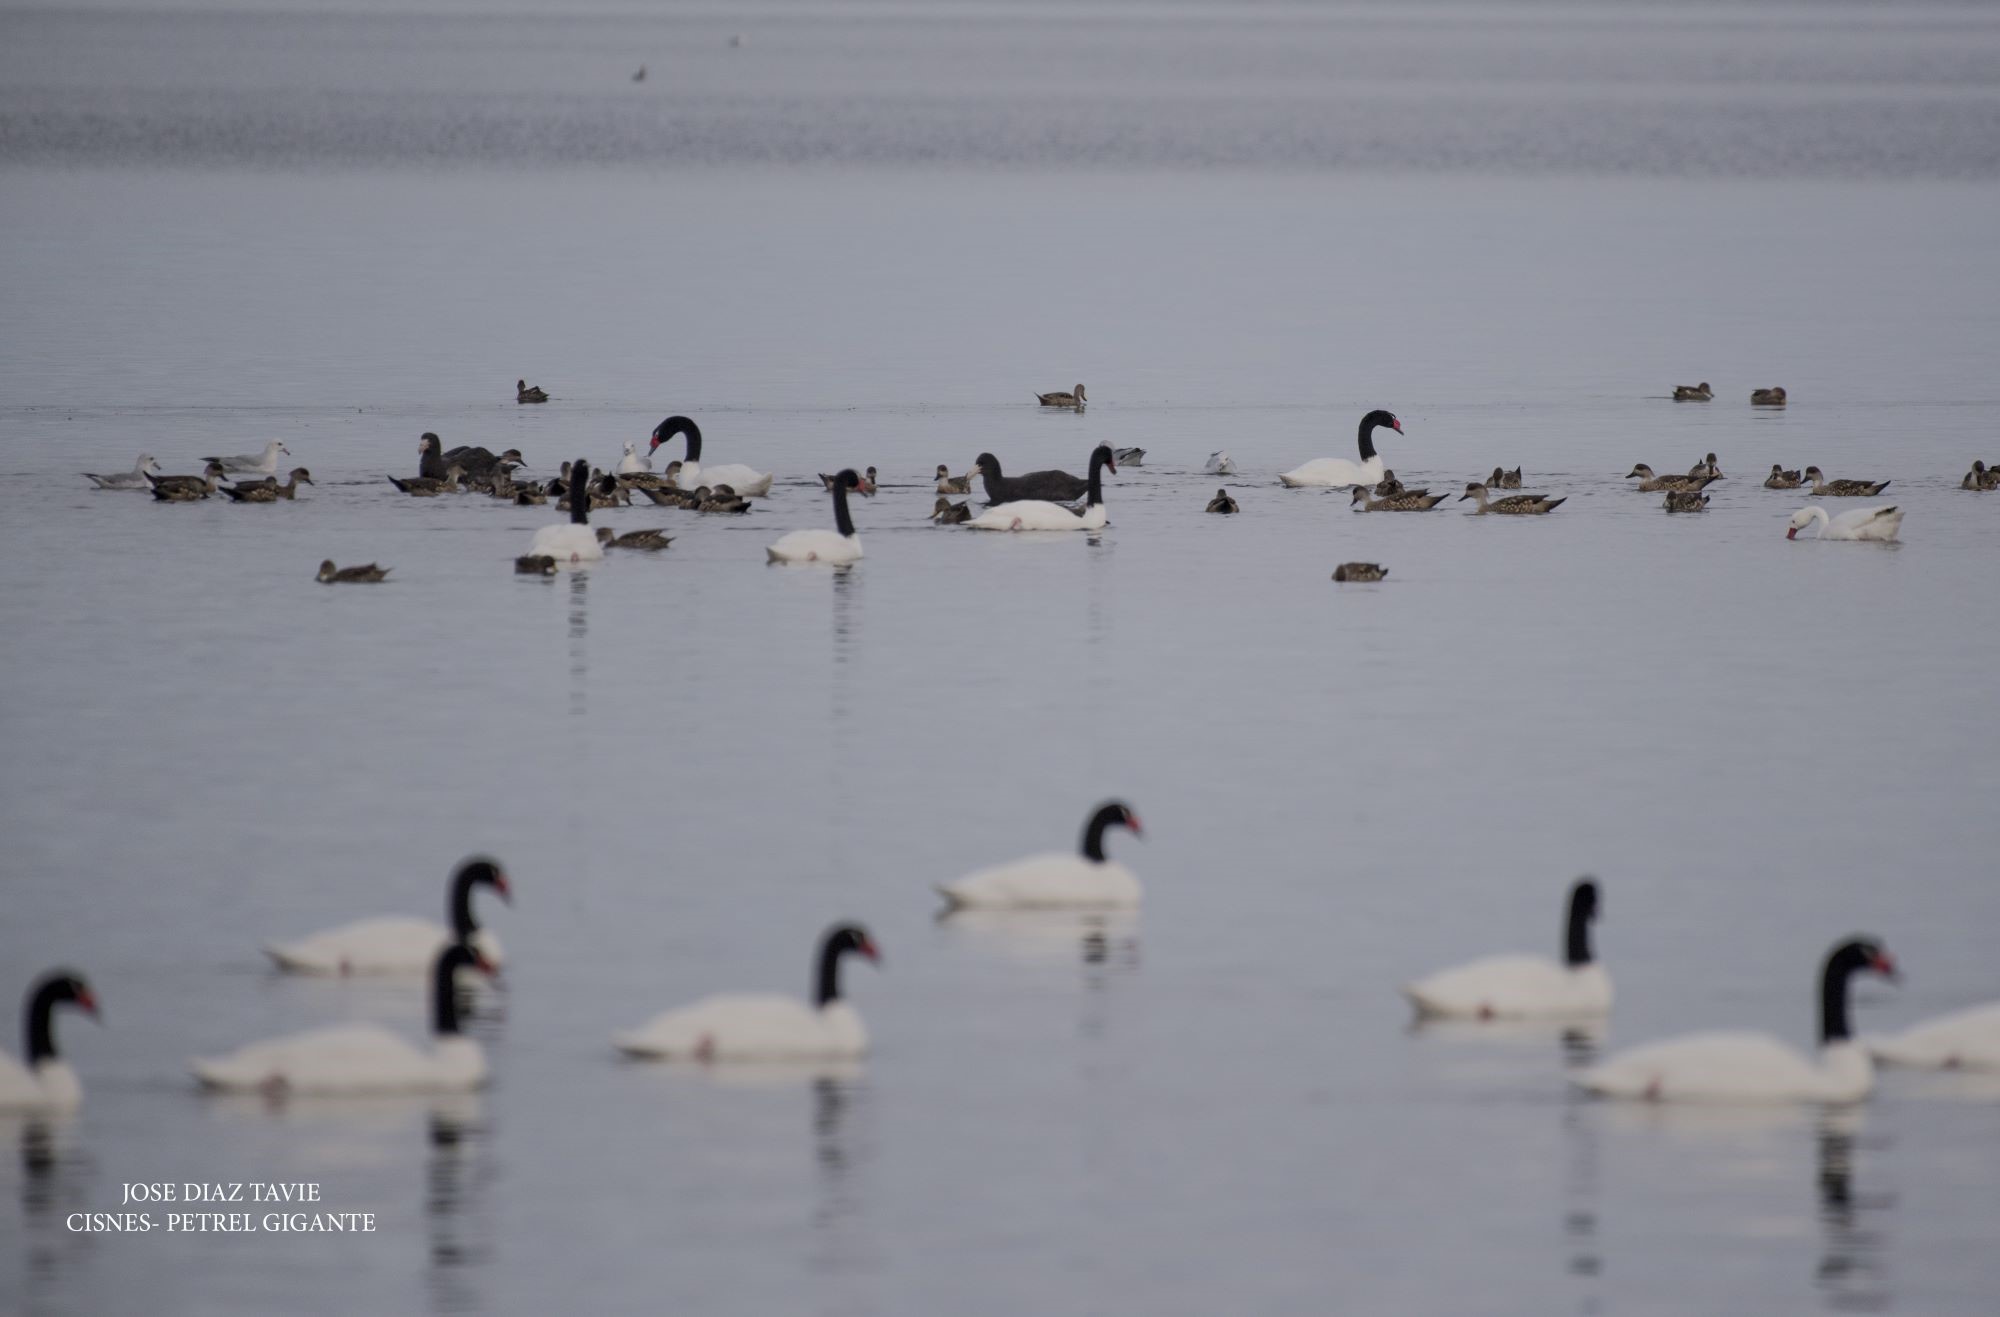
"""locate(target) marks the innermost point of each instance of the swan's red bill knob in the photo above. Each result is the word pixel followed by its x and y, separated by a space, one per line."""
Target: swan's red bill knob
pixel 867 948
pixel 87 1000
pixel 500 886
pixel 1395 425
pixel 1884 964
pixel 1132 822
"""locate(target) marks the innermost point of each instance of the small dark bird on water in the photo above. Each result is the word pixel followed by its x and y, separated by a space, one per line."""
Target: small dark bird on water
pixel 1360 571
pixel 636 539
pixel 1222 502
pixel 535 564
pixel 523 392
pixel 640 76
pixel 367 572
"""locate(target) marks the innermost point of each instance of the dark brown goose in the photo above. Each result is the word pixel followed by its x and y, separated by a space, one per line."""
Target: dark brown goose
pixel 366 573
pixel 1824 488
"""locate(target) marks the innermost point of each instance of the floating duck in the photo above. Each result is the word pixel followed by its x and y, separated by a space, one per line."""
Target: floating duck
pixel 1414 501
pixel 1652 484
pixel 1773 397
pixel 1222 503
pixel 1685 500
pixel 1074 399
pixel 947 483
pixel 1501 479
pixel 269 490
pixel 1824 488
pixel 1693 393
pixel 1782 479
pixel 524 393
pixel 1514 505
pixel 186 489
pixel 948 513
pixel 1360 571
pixel 633 539
pixel 367 572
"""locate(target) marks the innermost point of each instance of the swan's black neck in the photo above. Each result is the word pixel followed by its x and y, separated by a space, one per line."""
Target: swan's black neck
pixel 1093 831
pixel 444 989
pixel 463 925
pixel 1365 438
pixel 841 521
pixel 579 492
pixel 674 425
pixel 1098 461
pixel 1576 938
pixel 1840 966
pixel 828 987
pixel 41 1005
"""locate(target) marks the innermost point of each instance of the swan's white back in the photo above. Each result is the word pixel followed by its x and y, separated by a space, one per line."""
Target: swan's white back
pixel 747 482
pixel 48 1086
pixel 1331 471
pixel 1054 881
pixel 347 1059
pixel 1967 1040
pixel 749 1027
pixel 1733 1067
pixel 1039 514
pixel 393 944
pixel 1513 987
pixel 821 546
pixel 568 542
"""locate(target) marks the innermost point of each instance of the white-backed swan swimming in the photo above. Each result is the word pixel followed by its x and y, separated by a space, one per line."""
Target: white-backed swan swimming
pixel 571 542
pixel 1962 1040
pixel 1521 987
pixel 1878 524
pixel 399 944
pixel 1040 514
pixel 834 548
pixel 1086 879
pixel 746 481
pixel 45 1082
pixel 1336 471
pixel 764 1026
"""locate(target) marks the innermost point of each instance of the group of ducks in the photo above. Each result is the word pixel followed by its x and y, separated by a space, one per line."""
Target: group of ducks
pixel 256 482
pixel 1772 397
pixel 357 1059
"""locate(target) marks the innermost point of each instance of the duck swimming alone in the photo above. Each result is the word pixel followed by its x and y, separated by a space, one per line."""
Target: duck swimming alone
pixel 1414 501
pixel 133 479
pixel 1685 500
pixel 1822 487
pixel 1782 479
pixel 1073 399
pixel 524 393
pixel 1130 456
pixel 367 572
pixel 1693 393
pixel 1222 503
pixel 1773 397
pixel 948 513
pixel 1652 484
pixel 1360 571
pixel 269 490
pixel 1514 505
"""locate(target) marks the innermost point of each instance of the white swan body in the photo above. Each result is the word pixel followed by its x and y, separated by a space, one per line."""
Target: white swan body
pixel 133 479
pixel 1518 987
pixel 347 1059
pixel 1038 514
pixel 746 481
pixel 264 463
pixel 632 463
pixel 1963 1040
pixel 47 1086
pixel 567 543
pixel 1733 1067
pixel 749 1027
pixel 821 546
pixel 1055 881
pixel 1326 472
pixel 394 944
pixel 1877 524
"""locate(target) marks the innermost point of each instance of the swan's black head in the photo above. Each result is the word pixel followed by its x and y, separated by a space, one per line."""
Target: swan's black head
pixel 839 940
pixel 1576 932
pixel 482 872
pixel 1380 417
pixel 1854 956
pixel 1103 454
pixel 579 492
pixel 1112 813
pixel 52 989
pixel 672 426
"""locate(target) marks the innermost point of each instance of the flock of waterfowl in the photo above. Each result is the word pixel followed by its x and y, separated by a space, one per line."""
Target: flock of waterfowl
pixel 360 1059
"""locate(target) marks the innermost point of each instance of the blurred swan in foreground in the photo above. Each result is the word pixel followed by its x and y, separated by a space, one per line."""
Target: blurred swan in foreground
pixel 399 944
pixel 44 1081
pixel 1963 1040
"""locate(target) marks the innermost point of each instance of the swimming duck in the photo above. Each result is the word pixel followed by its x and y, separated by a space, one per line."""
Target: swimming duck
pixel 1822 487
pixel 1979 478
pixel 269 490
pixel 133 479
pixel 1388 486
pixel 535 564
pixel 826 482
pixel 522 393
pixel 948 513
pixel 1696 393
pixel 1073 399
pixel 1514 505
pixel 1782 479
pixel 633 539
pixel 331 575
pixel 667 496
pixel 1706 467
pixel 1652 484
pixel 947 483
pixel 719 499
pixel 477 461
pixel 1129 456
pixel 186 489
pixel 1360 571
pixel 530 496
pixel 1416 501
pixel 265 463
pixel 1685 500
pixel 1501 479
pixel 1222 503
pixel 427 487
pixel 1773 397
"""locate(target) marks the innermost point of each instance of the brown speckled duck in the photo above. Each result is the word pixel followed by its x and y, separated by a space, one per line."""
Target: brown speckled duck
pixel 1706 467
pixel 1222 503
pixel 269 490
pixel 651 540
pixel 523 392
pixel 947 483
pixel 867 486
pixel 1693 392
pixel 719 499
pixel 1514 505
pixel 1685 500
pixel 366 573
pixel 186 489
pixel 1824 488
pixel 1772 397
pixel 1501 479
pixel 1073 399
pixel 1652 484
pixel 1360 571
pixel 1782 479
pixel 1414 501
pixel 948 513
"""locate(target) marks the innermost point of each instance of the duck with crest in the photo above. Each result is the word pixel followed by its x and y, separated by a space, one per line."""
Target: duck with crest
pixel 1513 505
pixel 1331 472
pixel 833 548
pixel 747 482
pixel 1042 514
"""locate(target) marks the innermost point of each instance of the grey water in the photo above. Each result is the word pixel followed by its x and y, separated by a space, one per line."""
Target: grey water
pixel 865 236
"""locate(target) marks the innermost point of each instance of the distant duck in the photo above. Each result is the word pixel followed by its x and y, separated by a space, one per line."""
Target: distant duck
pixel 640 76
pixel 1502 479
pixel 264 463
pixel 651 540
pixel 747 483
pixel 1963 1040
pixel 1822 487
pixel 1085 879
pixel 367 572
pixel 1880 525
pixel 133 479
pixel 355 1059
pixel 269 490
pixel 1685 500
pixel 1693 393
pixel 1706 467
pixel 570 542
pixel 642 480
pixel 1754 1067
pixel 1130 456
pixel 186 489
pixel 1074 399
pixel 1514 987
pixel 1332 472
pixel 948 513
pixel 838 547
pixel 535 564
pixel 947 483
pixel 1652 484
pixel 42 1081
pixel 867 486
pixel 1388 486
pixel 1222 503
pixel 720 499
pixel 524 393
pixel 1782 479
pixel 1034 514
pixel 1220 463
pixel 1514 505
pixel 399 944
pixel 1773 397
pixel 1360 571
pixel 1979 478
pixel 427 487
pixel 1416 501
pixel 530 496
pixel 632 463
pixel 764 1026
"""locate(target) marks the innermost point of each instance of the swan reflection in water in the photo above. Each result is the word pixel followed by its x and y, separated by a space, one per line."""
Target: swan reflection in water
pixel 579 652
pixel 457 1215
pixel 1851 1272
pixel 55 1181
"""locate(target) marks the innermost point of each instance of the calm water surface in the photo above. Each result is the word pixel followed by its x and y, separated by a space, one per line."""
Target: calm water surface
pixel 691 763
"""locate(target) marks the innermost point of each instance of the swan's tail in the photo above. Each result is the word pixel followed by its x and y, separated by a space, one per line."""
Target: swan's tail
pixel 952 900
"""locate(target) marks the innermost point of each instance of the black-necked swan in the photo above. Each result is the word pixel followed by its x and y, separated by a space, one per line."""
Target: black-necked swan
pixel 1962 1040
pixel 133 479
pixel 1041 514
pixel 1521 987
pixel 1755 1067
pixel 764 1026
pixel 1336 471
pixel 1878 524
pixel 1086 879
pixel 264 463
pixel 357 1059
pixel 45 1082
pixel 746 481
pixel 1074 398
pixel 571 541
pixel 832 548
pixel 1824 488
pixel 399 944
pixel 1052 486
